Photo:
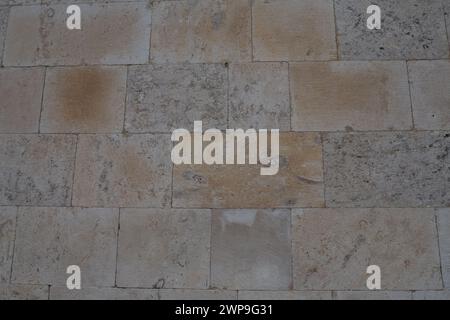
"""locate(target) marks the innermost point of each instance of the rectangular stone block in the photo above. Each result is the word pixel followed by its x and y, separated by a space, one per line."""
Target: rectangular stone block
pixel 284 295
pixel 431 295
pixel 291 30
pixel 23 292
pixel 162 98
pixel 164 248
pixel 62 293
pixel 20 103
pixel 389 169
pixel 188 294
pixel 49 240
pixel 298 183
pixel 373 295
pixel 7 234
pixel 443 219
pixel 3 24
pixel 110 34
pixel 251 249
pixel 36 169
pixel 430 93
pixel 122 170
pixel 84 100
pixel 332 248
pixel 201 31
pixel 410 30
pixel 259 96
pixel 337 96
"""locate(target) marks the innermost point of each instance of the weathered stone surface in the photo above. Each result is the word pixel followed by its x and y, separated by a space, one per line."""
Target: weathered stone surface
pixel 7 233
pixel 443 219
pixel 373 295
pixel 48 240
pixel 431 295
pixel 3 24
pixel 36 169
pixel 297 184
pixel 23 292
pixel 332 248
pixel 110 34
pixel 333 96
pixel 84 99
pixel 62 293
pixel 20 103
pixel 251 249
pixel 430 92
pixel 409 30
pixel 162 98
pixel 164 248
pixel 389 169
pixel 284 295
pixel 259 96
pixel 289 30
pixel 121 171
pixel 187 294
pixel 201 31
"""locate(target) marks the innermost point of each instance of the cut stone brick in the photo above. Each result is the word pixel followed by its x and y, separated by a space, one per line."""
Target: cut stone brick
pixel 20 103
pixel 291 30
pixel 110 34
pixel 388 169
pixel 185 294
pixel 259 96
pixel 36 169
pixel 299 182
pixel 23 292
pixel 251 249
pixel 201 31
pixel 332 248
pixel 284 295
pixel 62 293
pixel 121 171
pixel 412 29
pixel 3 24
pixel 84 99
pixel 333 96
pixel 162 98
pixel 373 295
pixel 430 92
pixel 444 244
pixel 7 233
pixel 48 240
pixel 164 248
pixel 431 295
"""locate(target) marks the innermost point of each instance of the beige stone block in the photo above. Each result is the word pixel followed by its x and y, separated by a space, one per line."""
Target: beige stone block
pixel 373 295
pixel 7 234
pixel 284 295
pixel 23 292
pixel 62 293
pixel 188 294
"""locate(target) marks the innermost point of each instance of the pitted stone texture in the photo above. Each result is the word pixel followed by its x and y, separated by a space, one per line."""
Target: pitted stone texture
pixel 110 34
pixel 20 103
pixel 3 24
pixel 164 248
pixel 444 244
pixel 373 295
pixel 389 169
pixel 298 183
pixel 84 100
pixel 413 29
pixel 430 92
pixel 36 169
pixel 123 171
pixel 259 96
pixel 431 295
pixel 162 98
pixel 186 294
pixel 334 96
pixel 23 292
pixel 201 31
pixel 291 30
pixel 48 240
pixel 332 248
pixel 62 293
pixel 284 295
pixel 251 249
pixel 7 233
